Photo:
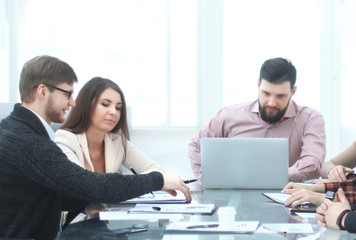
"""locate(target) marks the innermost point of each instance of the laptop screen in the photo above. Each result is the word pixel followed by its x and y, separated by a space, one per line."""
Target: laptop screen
pixel 244 163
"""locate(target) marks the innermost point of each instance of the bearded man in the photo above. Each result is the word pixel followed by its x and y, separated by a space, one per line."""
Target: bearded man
pixel 273 115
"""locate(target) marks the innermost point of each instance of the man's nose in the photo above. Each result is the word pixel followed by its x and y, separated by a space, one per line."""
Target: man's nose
pixel 71 101
pixel 272 101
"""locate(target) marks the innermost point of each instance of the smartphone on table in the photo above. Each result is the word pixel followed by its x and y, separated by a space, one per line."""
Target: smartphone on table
pixel 307 208
pixel 123 231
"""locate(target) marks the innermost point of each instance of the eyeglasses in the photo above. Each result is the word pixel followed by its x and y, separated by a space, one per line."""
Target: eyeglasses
pixel 68 93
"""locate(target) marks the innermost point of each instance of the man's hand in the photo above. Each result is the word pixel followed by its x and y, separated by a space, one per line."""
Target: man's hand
pixel 328 212
pixel 173 183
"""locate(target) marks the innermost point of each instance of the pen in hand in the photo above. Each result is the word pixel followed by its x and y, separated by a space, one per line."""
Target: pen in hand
pixel 134 172
pixel 190 181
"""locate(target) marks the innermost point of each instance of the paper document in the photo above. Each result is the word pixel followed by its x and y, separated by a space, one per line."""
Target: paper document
pixel 240 227
pixel 286 227
pixel 173 208
pixel 159 197
pixel 280 197
pixel 113 215
pixel 306 215
pixel 277 197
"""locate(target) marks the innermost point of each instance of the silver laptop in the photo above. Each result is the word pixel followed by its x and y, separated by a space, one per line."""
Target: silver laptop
pixel 244 163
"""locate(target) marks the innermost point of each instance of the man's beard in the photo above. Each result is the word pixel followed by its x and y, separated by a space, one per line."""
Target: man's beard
pixel 52 113
pixel 272 119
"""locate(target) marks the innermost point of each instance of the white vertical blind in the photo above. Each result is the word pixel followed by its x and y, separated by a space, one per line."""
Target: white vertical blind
pixel 348 69
pixel 330 74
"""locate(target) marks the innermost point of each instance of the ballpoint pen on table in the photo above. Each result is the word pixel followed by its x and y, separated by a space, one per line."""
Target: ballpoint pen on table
pixel 134 172
pixel 190 181
pixel 278 231
pixel 203 226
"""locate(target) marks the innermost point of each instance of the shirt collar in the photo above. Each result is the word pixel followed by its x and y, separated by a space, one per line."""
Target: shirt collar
pixel 46 125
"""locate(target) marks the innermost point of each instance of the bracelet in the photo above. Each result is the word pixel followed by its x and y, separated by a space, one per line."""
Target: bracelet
pixel 340 217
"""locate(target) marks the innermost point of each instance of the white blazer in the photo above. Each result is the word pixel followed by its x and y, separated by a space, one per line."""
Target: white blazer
pixel 75 146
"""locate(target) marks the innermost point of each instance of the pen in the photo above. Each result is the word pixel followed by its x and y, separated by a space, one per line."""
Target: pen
pixel 190 181
pixel 279 231
pixel 203 226
pixel 134 172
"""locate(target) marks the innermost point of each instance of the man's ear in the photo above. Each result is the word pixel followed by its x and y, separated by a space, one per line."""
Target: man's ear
pixel 41 91
pixel 294 89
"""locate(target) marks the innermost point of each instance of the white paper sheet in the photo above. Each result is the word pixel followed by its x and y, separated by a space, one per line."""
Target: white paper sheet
pixel 114 215
pixel 277 197
pixel 306 215
pixel 286 227
pixel 159 197
pixel 240 227
pixel 173 208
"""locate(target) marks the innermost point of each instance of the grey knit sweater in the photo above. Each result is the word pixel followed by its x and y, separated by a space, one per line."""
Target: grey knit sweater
pixel 37 181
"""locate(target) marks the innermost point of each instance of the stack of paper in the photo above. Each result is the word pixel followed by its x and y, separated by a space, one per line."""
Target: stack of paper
pixel 240 227
pixel 158 197
pixel 115 215
pixel 161 205
pixel 174 208
pixel 277 197
pixel 285 227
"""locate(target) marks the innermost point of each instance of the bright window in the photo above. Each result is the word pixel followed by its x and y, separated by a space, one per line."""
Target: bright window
pixel 146 47
pixel 348 68
pixel 257 30
pixel 179 61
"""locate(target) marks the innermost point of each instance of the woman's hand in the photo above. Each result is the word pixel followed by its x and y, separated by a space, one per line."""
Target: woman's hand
pixel 338 173
pixel 322 181
pixel 329 212
pixel 303 195
pixel 293 187
pixel 173 183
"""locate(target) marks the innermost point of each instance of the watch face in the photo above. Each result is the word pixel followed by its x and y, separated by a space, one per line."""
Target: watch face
pixel 330 195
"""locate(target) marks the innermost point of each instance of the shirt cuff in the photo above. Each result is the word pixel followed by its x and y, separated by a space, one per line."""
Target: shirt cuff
pixel 350 222
pixel 294 175
pixel 157 180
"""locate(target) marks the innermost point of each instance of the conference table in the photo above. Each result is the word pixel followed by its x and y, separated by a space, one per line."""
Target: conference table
pixel 250 205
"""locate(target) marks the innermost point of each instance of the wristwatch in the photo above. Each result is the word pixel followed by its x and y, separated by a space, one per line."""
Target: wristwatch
pixel 330 195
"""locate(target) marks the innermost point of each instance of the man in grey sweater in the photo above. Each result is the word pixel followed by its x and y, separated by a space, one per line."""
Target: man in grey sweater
pixel 37 181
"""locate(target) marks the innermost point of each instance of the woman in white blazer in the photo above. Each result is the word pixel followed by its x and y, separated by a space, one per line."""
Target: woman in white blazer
pixel 95 134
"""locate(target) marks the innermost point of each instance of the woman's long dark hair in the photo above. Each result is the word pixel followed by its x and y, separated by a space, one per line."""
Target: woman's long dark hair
pixel 79 118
